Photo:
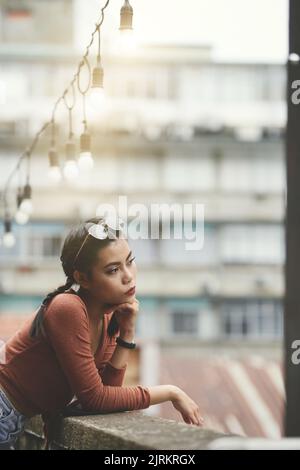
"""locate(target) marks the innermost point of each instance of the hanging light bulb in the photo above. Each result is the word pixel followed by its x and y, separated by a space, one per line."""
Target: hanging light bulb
pixel 54 175
pixel 127 40
pixel 19 197
pixel 54 172
pixel 26 204
pixel 85 161
pixel 96 97
pixel 20 217
pixel 71 171
pixel 126 15
pixel 9 239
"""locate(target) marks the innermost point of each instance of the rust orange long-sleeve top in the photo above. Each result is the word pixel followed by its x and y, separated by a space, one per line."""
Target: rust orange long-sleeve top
pixel 44 374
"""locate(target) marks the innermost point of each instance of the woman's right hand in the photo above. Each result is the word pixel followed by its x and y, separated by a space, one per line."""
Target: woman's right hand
pixel 187 407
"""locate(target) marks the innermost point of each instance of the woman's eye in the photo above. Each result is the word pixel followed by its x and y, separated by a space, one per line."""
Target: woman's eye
pixel 116 269
pixel 113 271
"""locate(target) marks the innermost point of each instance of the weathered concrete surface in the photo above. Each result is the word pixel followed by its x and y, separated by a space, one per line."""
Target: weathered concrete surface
pixel 115 431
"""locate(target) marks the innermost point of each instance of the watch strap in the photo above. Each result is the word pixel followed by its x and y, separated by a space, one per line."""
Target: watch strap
pixel 125 344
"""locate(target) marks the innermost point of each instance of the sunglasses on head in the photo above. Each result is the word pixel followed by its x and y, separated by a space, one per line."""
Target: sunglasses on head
pixel 101 230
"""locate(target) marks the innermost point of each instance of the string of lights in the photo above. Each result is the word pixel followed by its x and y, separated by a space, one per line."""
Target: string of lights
pixel 72 167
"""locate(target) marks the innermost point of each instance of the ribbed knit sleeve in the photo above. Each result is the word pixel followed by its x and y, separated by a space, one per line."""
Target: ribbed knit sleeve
pixel 66 326
pixel 113 376
pixel 110 375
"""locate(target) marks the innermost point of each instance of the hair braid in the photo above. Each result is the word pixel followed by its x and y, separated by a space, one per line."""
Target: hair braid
pixel 37 323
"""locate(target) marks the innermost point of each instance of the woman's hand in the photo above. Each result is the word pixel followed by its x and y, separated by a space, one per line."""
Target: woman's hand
pixel 188 408
pixel 126 314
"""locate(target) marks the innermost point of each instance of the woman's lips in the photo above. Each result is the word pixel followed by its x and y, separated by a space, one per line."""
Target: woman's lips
pixel 131 291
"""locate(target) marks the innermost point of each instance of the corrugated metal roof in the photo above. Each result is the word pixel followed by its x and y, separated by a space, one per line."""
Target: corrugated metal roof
pixel 243 396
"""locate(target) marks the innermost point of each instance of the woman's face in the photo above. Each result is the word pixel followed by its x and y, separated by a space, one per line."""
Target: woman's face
pixel 114 274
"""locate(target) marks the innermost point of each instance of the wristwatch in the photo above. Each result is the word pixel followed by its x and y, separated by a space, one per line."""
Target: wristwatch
pixel 125 344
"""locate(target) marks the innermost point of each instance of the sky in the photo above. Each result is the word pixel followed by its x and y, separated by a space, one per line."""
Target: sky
pixel 238 30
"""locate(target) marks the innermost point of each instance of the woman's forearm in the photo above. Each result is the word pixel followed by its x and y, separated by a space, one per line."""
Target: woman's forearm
pixel 158 393
pixel 162 393
pixel 120 356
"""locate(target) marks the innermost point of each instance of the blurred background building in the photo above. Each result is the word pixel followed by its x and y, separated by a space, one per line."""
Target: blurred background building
pixel 178 126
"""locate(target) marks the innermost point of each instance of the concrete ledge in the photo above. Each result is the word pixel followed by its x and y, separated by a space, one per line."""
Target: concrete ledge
pixel 129 430
pixel 255 443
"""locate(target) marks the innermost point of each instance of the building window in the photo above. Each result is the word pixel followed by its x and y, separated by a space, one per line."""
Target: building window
pixel 20 23
pixel 17 23
pixel 185 323
pixel 252 244
pixel 252 319
pixel 252 174
pixel 40 246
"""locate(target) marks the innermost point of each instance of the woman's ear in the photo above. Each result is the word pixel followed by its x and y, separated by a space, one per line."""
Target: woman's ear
pixel 81 279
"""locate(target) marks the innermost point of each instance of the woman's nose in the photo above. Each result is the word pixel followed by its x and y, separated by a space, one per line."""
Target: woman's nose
pixel 127 277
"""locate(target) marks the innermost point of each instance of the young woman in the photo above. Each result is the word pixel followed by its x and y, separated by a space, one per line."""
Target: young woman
pixel 74 351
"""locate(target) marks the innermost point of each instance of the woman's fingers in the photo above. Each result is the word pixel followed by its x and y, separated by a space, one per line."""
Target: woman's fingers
pixel 200 419
pixel 197 419
pixel 191 419
pixel 186 419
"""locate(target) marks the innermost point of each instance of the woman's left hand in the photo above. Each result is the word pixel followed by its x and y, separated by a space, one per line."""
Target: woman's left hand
pixel 126 314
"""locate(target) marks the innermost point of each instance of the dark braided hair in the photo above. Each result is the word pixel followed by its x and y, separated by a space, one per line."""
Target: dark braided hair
pixel 84 263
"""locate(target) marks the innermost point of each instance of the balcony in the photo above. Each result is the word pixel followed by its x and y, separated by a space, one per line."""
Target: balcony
pixel 123 431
